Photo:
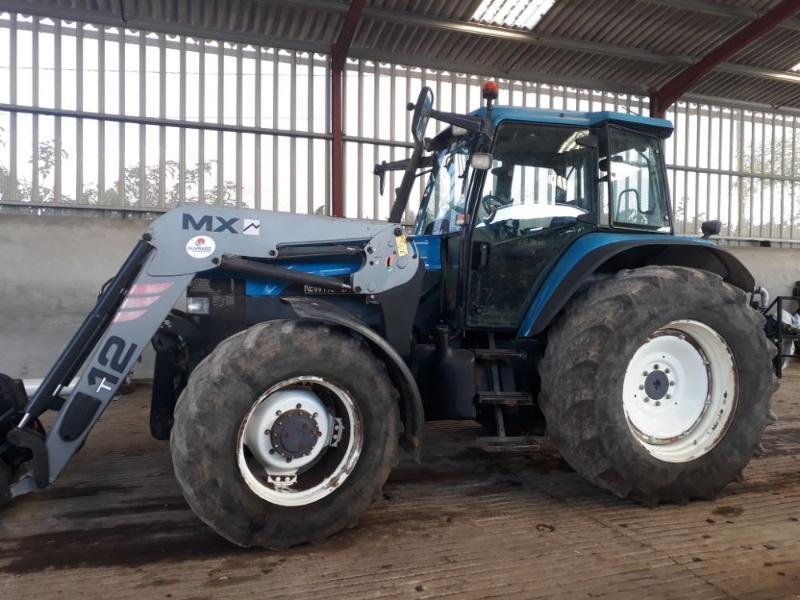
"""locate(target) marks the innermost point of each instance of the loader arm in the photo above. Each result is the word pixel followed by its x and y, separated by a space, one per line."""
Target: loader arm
pixel 178 245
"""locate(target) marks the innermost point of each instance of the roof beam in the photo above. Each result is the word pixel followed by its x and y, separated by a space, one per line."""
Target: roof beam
pixel 668 93
pixel 548 41
pixel 721 10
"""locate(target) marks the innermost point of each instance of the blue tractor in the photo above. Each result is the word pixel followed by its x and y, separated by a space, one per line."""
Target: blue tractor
pixel 542 290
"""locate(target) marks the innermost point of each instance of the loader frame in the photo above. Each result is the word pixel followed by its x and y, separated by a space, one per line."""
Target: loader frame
pixel 132 307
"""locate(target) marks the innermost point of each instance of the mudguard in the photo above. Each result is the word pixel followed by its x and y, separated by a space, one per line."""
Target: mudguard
pixel 321 311
pixel 592 251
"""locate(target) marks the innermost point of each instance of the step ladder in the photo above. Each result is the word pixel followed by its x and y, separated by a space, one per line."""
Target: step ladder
pixel 499 361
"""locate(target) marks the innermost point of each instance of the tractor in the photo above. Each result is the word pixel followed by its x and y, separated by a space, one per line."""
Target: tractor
pixel 542 289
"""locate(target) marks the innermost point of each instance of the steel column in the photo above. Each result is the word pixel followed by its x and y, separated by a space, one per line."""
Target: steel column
pixel 338 57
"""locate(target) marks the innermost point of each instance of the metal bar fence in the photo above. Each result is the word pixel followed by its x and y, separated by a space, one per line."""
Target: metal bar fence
pixel 139 121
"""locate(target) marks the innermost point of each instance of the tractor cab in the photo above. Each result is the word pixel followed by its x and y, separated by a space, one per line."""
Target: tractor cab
pixel 509 189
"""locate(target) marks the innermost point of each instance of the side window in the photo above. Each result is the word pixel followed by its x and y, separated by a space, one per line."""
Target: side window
pixel 442 206
pixel 637 187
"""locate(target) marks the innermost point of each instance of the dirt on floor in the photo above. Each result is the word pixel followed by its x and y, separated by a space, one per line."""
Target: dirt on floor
pixel 464 524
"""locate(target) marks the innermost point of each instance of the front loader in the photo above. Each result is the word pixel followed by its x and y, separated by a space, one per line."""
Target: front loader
pixel 542 288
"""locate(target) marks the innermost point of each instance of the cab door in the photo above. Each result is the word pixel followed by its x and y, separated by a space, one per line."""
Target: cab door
pixel 538 197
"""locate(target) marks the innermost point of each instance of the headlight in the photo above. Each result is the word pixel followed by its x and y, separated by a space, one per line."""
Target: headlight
pixel 198 305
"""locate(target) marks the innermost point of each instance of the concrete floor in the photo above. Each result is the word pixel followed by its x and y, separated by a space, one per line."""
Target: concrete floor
pixel 463 525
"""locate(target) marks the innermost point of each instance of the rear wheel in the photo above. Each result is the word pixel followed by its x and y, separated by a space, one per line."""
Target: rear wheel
pixel 285 434
pixel 656 384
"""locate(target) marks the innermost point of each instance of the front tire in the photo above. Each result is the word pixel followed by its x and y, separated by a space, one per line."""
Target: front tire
pixel 656 384
pixel 285 434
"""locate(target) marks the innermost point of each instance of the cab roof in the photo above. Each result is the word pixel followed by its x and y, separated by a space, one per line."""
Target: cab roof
pixel 573 117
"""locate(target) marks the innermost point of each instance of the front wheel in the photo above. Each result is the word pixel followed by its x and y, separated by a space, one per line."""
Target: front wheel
pixel 656 384
pixel 285 434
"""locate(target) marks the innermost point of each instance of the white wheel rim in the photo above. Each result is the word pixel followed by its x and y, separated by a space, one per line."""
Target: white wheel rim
pixel 278 476
pixel 680 391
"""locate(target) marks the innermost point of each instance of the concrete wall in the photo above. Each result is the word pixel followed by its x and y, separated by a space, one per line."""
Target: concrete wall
pixel 51 269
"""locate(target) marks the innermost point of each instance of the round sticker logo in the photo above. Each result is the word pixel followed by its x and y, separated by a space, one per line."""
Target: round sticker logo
pixel 200 246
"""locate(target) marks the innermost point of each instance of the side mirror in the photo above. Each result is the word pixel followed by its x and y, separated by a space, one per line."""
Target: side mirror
pixel 422 113
pixel 481 161
pixel 710 228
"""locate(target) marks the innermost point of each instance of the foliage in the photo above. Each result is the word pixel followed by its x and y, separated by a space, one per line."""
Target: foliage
pixel 141 186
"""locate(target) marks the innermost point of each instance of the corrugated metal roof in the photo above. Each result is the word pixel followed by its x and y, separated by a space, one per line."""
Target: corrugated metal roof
pixel 619 45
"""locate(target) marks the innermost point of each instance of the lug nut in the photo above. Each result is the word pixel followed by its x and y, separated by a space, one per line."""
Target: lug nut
pixel 668 396
pixel 277 412
pixel 666 370
pixel 644 373
pixel 658 403
pixel 299 406
pixel 672 383
pixel 655 367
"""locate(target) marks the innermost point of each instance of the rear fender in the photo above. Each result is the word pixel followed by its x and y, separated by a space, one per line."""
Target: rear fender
pixel 611 252
pixel 320 311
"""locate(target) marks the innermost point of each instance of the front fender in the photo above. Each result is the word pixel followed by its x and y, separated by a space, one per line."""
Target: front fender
pixel 615 251
pixel 413 413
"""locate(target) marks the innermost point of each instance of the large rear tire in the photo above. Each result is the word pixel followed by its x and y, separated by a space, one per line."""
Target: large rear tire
pixel 285 434
pixel 656 383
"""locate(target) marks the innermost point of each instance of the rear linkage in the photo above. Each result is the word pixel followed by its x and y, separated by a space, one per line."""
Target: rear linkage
pixel 178 245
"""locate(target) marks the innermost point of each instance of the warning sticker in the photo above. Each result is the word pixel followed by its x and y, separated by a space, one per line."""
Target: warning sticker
pixel 200 246
pixel 402 245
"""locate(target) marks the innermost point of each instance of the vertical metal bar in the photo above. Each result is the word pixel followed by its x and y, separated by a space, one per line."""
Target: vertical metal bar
pixel 782 173
pixel 257 138
pixel 360 133
pixel 220 201
pixel 35 118
pixel 162 111
pixel 392 118
pixel 275 99
pixel 720 146
pixel 731 146
pixel 328 144
pixel 761 173
pixel 740 167
pixel 771 172
pixel 143 112
pixel 686 163
pixel 122 110
pixel 376 77
pixel 697 174
pixel 239 90
pixel 752 178
pixel 293 127
pixel 101 106
pixel 12 91
pixel 793 170
pixel 310 142
pixel 101 81
pixel 201 116
pixel 57 120
pixel 182 116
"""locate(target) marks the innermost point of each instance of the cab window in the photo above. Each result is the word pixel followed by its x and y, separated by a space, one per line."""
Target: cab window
pixel 442 209
pixel 635 177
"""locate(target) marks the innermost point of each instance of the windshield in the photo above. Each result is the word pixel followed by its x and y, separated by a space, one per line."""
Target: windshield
pixel 442 209
pixel 636 181
pixel 540 175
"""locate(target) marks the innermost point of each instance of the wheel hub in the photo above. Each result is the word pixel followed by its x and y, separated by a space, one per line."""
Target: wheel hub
pixel 294 434
pixel 679 391
pixel 656 385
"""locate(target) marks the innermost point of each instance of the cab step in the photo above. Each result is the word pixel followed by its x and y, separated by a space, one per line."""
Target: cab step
pixel 505 398
pixel 499 354
pixel 508 443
